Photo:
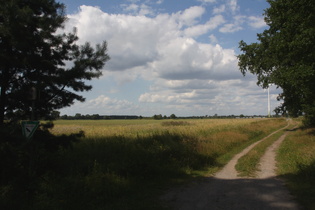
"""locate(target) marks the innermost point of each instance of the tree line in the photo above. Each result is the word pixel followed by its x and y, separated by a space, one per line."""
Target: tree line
pixel 79 116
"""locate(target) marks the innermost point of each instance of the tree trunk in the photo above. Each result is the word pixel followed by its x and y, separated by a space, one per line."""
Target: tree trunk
pixel 2 105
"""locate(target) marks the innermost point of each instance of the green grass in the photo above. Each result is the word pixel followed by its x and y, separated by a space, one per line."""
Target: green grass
pixel 248 165
pixel 296 164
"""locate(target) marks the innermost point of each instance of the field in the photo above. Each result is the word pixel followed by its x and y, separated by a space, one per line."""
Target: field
pixel 296 165
pixel 132 128
pixel 127 164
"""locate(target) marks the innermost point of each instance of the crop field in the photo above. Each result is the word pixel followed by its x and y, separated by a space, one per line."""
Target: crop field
pixel 136 128
pixel 126 164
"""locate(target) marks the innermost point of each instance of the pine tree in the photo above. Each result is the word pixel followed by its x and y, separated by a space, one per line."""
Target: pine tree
pixel 33 57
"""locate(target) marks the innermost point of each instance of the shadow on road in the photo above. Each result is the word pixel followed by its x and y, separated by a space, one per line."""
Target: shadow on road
pixel 213 193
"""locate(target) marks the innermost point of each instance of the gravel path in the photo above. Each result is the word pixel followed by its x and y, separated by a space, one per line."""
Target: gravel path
pixel 228 191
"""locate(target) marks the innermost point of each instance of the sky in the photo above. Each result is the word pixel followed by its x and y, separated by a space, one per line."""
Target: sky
pixel 170 57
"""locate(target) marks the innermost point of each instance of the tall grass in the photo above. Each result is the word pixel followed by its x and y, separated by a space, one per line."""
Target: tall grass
pixel 296 159
pixel 248 165
pixel 125 164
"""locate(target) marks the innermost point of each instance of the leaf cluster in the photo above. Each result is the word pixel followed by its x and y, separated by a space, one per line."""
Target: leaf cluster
pixel 35 54
pixel 285 55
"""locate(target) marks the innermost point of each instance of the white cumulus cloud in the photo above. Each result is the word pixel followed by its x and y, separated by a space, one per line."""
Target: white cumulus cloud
pixel 256 22
pixel 162 50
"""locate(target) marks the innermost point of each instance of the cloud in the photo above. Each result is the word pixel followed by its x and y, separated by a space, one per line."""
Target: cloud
pixel 236 25
pixel 195 95
pixel 183 74
pixel 145 10
pixel 201 29
pixel 131 39
pixel 219 10
pixel 135 41
pixel 256 22
pixel 207 1
pixel 184 58
pixel 230 28
pixel 135 9
pixel 131 7
pixel 189 16
pixel 213 39
pixel 233 6
pixel 106 104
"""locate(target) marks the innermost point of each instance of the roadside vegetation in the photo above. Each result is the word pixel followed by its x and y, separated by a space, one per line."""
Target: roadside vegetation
pixel 296 164
pixel 296 161
pixel 248 165
pixel 117 164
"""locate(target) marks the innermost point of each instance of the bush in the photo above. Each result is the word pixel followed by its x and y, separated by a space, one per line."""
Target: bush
pixel 24 162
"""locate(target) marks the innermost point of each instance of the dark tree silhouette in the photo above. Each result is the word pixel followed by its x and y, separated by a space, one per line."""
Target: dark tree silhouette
pixel 33 56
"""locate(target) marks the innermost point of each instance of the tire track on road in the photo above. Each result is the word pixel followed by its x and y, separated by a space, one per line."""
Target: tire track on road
pixel 228 191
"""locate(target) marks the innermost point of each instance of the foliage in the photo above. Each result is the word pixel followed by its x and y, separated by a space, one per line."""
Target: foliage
pixel 248 165
pixel 285 56
pixel 173 116
pixel 24 162
pixel 157 117
pixel 41 69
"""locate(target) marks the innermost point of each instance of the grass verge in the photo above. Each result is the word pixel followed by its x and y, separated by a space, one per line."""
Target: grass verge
pixel 248 165
pixel 296 164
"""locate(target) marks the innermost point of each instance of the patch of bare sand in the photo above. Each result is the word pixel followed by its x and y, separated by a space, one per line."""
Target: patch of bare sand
pixel 228 191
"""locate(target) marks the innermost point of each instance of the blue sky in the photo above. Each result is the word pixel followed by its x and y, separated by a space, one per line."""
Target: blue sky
pixel 170 56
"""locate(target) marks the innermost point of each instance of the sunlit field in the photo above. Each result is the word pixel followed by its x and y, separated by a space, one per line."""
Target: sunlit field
pixel 210 137
pixel 127 164
pixel 296 163
pixel 136 128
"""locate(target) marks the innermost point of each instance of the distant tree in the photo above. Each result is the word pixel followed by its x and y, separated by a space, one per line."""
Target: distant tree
pixel 77 116
pixel 242 116
pixel 64 117
pixel 95 117
pixel 173 116
pixel 285 56
pixel 33 57
pixel 55 115
pixel 157 117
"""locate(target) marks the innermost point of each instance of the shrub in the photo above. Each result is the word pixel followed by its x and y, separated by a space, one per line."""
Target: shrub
pixel 23 163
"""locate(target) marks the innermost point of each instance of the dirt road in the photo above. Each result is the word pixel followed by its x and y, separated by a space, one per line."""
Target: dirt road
pixel 226 190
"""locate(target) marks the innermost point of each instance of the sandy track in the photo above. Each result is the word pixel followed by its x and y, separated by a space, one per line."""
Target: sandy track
pixel 228 191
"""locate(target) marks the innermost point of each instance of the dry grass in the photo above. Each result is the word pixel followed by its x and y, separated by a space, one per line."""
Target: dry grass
pixel 210 137
pixel 103 128
pixel 136 158
pixel 296 159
